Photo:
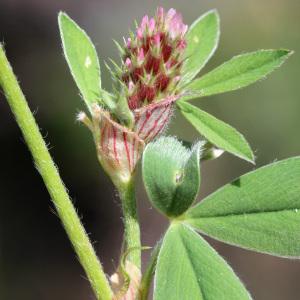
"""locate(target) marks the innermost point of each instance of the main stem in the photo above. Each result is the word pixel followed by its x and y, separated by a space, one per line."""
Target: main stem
pixel 52 180
pixel 132 229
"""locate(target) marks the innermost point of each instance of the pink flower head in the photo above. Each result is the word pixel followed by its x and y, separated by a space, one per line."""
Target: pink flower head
pixel 159 43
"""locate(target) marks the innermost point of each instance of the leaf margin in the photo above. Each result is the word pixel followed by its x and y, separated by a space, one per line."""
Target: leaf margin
pixel 62 15
pixel 213 50
pixel 250 158
pixel 190 95
pixel 186 218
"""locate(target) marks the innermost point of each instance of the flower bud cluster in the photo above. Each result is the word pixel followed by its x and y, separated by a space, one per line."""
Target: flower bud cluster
pixel 152 59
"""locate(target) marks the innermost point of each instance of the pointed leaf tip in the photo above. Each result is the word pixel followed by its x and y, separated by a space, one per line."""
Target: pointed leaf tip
pixel 63 16
pixel 202 41
pixel 217 132
pixel 240 71
pixel 81 56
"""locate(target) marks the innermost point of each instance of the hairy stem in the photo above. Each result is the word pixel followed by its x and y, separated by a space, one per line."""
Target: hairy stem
pixel 131 223
pixel 52 180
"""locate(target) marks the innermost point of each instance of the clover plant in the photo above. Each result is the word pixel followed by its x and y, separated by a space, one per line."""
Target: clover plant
pixel 156 74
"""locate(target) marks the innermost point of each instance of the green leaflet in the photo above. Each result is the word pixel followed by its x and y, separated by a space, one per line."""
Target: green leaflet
pixel 259 211
pixel 171 174
pixel 238 72
pixel 202 41
pixel 82 59
pixel 217 132
pixel 189 269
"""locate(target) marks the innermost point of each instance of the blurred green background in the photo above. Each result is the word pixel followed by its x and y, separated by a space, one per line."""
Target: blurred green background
pixel 36 259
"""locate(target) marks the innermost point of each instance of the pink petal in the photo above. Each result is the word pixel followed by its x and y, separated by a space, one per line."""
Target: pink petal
pixel 160 13
pixel 177 78
pixel 128 62
pixel 144 23
pixel 182 44
pixel 171 13
pixel 184 29
pixel 175 26
pixel 139 33
pixel 141 55
pixel 151 25
pixel 128 42
pixel 156 39
pixel 130 87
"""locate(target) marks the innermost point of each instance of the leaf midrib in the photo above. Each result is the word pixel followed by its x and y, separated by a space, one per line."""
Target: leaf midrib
pixel 238 151
pixel 192 266
pixel 210 74
pixel 245 213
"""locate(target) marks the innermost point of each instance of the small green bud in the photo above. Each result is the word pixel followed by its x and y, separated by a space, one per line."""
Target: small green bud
pixel 171 174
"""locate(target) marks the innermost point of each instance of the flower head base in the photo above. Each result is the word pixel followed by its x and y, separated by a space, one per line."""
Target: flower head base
pixel 152 58
pixel 119 149
pixel 151 120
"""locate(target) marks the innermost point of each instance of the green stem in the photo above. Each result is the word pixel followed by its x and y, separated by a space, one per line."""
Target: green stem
pixel 148 274
pixel 131 223
pixel 52 180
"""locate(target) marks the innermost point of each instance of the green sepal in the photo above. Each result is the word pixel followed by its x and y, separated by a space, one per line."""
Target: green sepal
pixel 122 110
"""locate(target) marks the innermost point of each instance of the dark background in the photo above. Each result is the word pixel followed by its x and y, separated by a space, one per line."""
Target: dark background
pixel 36 259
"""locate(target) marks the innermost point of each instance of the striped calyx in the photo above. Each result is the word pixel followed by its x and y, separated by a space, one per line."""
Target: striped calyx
pixel 119 149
